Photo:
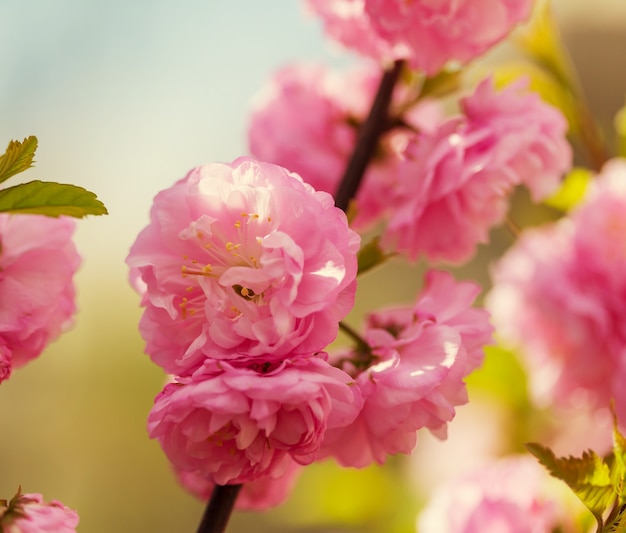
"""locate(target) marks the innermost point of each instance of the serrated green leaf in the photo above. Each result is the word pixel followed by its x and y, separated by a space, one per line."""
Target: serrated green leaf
pixel 51 199
pixel 18 157
pixel 618 468
pixel 588 476
pixel 572 190
pixel 371 255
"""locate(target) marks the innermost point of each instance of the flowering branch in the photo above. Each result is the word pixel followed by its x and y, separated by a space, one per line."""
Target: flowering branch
pixel 219 509
pixel 369 133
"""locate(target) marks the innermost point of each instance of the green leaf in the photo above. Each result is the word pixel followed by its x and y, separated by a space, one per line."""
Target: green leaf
pixel 616 522
pixel 572 190
pixel 17 158
pixel 589 477
pixel 620 128
pixel 51 199
pixel 371 255
pixel 444 83
pixel 618 469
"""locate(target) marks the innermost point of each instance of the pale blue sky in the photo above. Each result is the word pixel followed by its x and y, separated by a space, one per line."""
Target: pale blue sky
pixel 126 96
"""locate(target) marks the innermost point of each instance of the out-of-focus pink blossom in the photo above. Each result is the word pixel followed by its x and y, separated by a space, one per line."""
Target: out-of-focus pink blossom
pixel 258 495
pixel 307 118
pixel 560 295
pixel 242 261
pixel 427 34
pixel 511 495
pixel 454 183
pixel 28 513
pixel 37 263
pixel 240 424
pixel 421 355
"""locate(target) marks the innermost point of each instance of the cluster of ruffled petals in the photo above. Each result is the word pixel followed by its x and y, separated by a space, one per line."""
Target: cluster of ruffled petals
pixel 28 513
pixel 560 295
pixel 307 118
pixel 513 494
pixel 427 34
pixel 454 183
pixel 411 372
pixel 37 264
pixel 258 495
pixel 237 424
pixel 245 272
pixel 242 261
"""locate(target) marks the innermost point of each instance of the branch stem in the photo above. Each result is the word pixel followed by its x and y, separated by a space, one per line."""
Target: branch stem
pixel 219 509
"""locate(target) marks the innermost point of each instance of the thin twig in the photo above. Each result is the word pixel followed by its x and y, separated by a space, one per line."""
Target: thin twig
pixel 219 509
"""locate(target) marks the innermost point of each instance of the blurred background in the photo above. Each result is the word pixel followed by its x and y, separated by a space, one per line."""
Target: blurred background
pixel 125 97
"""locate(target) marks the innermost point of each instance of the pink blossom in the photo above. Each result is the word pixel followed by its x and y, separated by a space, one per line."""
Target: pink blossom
pixel 420 356
pixel 244 261
pixel 512 495
pixel 453 185
pixel 237 425
pixel 560 296
pixel 28 513
pixel 258 495
pixel 427 34
pixel 307 118
pixel 37 264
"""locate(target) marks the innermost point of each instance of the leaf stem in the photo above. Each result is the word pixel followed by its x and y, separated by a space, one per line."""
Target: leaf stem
pixel 369 133
pixel 219 509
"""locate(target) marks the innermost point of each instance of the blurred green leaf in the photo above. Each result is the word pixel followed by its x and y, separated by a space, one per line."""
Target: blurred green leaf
pixel 541 40
pixel 588 476
pixel 572 190
pixel 371 255
pixel 51 199
pixel 443 84
pixel 620 129
pixel 502 376
pixel 18 157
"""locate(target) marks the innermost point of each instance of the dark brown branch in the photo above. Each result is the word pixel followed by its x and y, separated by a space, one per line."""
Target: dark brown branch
pixel 367 139
pixel 219 509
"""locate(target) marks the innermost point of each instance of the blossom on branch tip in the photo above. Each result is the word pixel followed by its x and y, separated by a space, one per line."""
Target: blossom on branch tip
pixel 28 513
pixel 419 358
pixel 238 424
pixel 242 261
pixel 38 261
pixel 454 183
pixel 429 35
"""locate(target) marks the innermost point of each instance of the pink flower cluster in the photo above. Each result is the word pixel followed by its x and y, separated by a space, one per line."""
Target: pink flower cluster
pixel 428 34
pixel 245 272
pixel 454 184
pixel 37 263
pixel 506 496
pixel 28 513
pixel 411 373
pixel 441 184
pixel 560 295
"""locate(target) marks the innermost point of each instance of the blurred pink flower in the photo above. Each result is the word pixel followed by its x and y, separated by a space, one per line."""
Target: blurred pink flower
pixel 307 118
pixel 37 264
pixel 258 495
pixel 28 513
pixel 428 34
pixel 240 424
pixel 421 355
pixel 560 295
pixel 453 185
pixel 511 495
pixel 242 261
